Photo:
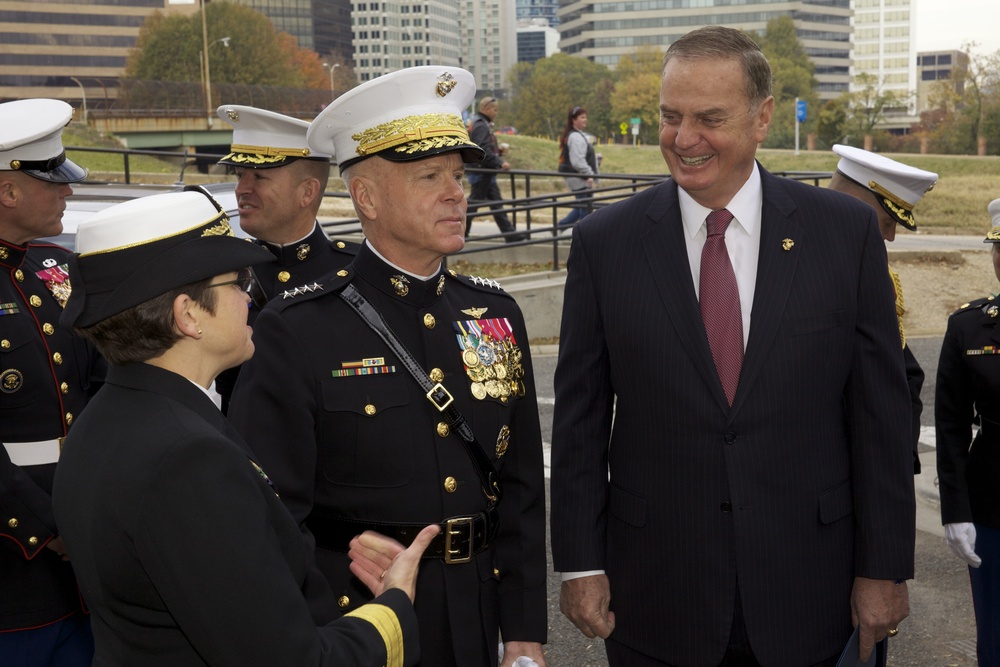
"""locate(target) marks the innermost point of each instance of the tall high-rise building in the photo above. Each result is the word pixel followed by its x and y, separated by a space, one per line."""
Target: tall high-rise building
pixel 536 39
pixel 529 10
pixel 935 68
pixel 884 47
pixel 60 50
pixel 392 35
pixel 605 30
pixel 292 16
pixel 489 41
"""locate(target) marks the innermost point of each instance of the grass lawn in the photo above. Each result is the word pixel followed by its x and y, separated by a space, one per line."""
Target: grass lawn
pixel 957 205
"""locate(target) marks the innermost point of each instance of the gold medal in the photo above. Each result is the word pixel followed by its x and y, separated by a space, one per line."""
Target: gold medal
pixel 477 374
pixel 470 357
pixel 501 371
pixel 520 389
pixel 478 391
pixel 492 389
pixel 504 389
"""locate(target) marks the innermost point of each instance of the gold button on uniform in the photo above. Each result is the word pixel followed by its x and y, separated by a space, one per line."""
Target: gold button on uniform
pixel 450 484
pixel 64 388
pixel 35 300
pixel 436 374
pixel 57 359
pixel 4 253
pixel 429 321
pixel 284 276
pixel 19 276
pixel 48 329
pixel 370 409
pixel 342 273
pixel 443 430
pixel 496 572
pixel 12 523
pixel 5 344
pixel 69 418
pixel 341 245
pixel 32 541
pixel 343 601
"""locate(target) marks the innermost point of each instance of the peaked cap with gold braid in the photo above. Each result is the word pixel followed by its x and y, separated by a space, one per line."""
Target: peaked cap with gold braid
pixel 263 139
pixel 896 186
pixel 409 114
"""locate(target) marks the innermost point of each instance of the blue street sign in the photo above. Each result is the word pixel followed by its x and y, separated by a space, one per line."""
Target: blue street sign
pixel 800 111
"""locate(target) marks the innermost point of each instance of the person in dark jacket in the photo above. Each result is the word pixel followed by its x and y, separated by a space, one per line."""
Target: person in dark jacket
pixel 484 185
pixel 892 189
pixel 968 394
pixel 353 438
pixel 183 549
pixel 47 376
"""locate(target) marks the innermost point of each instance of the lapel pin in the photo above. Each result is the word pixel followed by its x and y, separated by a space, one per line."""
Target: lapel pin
pixel 786 244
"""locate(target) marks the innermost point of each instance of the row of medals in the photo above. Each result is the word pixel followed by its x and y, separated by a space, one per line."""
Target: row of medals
pixel 495 369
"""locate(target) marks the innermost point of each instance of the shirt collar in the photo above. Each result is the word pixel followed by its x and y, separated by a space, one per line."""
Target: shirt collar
pixel 745 207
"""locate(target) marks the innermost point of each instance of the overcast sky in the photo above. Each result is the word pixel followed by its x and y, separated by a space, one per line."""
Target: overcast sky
pixel 947 24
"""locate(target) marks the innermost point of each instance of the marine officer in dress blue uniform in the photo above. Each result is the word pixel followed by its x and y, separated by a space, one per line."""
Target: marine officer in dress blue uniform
pixel 967 395
pixel 892 189
pixel 352 438
pixel 280 189
pixel 46 378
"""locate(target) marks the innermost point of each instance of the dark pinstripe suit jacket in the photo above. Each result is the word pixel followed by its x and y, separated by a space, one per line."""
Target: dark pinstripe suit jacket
pixel 805 483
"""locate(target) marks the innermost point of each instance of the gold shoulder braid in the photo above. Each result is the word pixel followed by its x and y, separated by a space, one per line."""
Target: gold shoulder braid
pixel 897 287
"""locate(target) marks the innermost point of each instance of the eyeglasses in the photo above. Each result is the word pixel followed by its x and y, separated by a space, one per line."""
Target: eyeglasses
pixel 246 282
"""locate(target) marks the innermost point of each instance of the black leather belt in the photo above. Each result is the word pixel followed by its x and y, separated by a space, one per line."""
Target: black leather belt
pixel 461 537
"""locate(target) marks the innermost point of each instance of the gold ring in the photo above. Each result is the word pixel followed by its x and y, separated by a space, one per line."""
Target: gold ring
pixel 382 576
pixel 893 632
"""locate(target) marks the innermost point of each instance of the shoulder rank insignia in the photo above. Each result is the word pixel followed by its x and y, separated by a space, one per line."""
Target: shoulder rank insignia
pixel 304 289
pixel 475 312
pixel 486 282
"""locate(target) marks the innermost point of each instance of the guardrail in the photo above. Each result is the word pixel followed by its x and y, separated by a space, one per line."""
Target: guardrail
pixel 614 187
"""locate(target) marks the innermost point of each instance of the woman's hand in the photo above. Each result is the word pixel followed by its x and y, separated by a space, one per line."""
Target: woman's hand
pixel 381 562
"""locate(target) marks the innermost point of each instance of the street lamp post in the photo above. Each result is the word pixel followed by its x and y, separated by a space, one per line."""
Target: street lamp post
pixel 84 91
pixel 332 69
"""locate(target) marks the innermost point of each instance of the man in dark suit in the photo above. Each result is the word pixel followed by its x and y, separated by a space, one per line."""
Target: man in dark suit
pixel 730 485
pixel 47 376
pixel 892 189
pixel 349 436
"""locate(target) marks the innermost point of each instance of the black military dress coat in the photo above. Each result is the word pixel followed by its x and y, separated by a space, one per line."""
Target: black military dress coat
pixel 46 377
pixel 968 392
pixel 184 553
pixel 345 431
pixel 295 264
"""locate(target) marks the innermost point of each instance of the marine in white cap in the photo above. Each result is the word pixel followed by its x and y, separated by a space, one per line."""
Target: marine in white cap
pixel 280 189
pixel 46 378
pixel 892 189
pixel 968 461
pixel 354 440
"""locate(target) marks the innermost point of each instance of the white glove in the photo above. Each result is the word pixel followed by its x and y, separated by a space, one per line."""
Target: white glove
pixel 961 537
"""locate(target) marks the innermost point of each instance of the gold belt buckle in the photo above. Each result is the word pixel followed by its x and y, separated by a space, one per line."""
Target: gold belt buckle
pixel 435 389
pixel 453 556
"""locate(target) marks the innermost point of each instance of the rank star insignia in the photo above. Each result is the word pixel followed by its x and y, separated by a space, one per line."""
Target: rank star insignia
pixel 787 244
pixel 288 294
pixel 485 282
pixel 475 312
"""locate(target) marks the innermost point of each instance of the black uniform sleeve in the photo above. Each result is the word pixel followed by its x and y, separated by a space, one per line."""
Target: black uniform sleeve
pixel 26 510
pixel 207 540
pixel 954 412
pixel 915 380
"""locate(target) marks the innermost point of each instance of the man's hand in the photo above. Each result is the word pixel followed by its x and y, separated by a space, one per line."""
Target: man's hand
pixel 877 607
pixel 961 537
pixel 382 563
pixel 505 166
pixel 514 650
pixel 585 601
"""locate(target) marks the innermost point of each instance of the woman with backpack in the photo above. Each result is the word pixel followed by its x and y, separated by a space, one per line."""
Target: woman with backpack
pixel 576 156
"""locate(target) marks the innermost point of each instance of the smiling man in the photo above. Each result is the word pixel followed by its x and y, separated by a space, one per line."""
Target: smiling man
pixel 353 439
pixel 731 473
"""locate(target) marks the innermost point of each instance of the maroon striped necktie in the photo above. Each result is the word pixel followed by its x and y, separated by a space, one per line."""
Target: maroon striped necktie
pixel 720 303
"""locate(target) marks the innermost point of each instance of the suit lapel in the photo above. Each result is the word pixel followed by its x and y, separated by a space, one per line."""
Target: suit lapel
pixel 666 252
pixel 776 267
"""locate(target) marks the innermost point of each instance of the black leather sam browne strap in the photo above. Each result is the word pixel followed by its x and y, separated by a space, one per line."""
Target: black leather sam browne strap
pixel 462 536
